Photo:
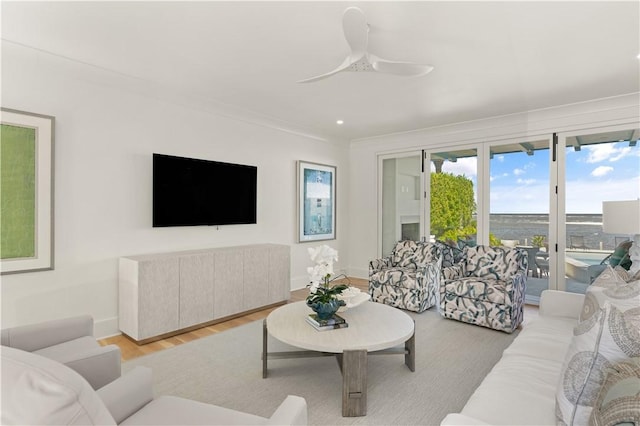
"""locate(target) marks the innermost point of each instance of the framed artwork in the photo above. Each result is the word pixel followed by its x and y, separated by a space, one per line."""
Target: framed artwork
pixel 316 202
pixel 26 191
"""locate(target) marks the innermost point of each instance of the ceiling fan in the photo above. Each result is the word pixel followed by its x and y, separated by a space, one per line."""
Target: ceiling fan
pixel 356 32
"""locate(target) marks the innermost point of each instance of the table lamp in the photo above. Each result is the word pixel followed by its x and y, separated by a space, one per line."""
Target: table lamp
pixel 623 217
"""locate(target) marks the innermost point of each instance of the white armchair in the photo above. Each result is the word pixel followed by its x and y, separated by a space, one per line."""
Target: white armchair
pixel 71 342
pixel 38 390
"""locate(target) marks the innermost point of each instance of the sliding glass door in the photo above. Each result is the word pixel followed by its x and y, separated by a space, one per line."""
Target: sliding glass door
pixel 519 205
pixel 402 206
pixel 600 165
pixel 542 193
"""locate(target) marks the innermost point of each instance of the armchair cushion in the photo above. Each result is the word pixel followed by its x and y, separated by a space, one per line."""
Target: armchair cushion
pixel 494 262
pixel 400 277
pixel 486 290
pixel 38 390
pixel 403 254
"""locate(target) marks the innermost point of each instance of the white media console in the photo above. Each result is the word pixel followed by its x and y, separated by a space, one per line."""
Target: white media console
pixel 162 294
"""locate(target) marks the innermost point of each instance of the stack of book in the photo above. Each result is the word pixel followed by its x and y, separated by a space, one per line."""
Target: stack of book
pixel 332 323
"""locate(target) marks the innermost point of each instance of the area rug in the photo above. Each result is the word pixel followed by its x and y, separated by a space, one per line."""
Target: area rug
pixel 225 369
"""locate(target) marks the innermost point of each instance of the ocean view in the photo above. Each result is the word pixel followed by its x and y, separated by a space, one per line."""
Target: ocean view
pixel 525 226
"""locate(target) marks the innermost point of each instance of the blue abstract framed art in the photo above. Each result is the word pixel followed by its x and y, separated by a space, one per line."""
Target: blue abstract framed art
pixel 316 202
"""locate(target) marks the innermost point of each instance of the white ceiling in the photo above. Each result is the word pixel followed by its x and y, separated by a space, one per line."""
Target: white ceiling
pixel 491 58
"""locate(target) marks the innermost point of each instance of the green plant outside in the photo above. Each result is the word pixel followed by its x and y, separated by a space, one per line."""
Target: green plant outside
pixel 538 240
pixel 452 208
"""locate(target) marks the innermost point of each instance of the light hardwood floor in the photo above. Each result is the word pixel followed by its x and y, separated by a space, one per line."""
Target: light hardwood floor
pixel 131 350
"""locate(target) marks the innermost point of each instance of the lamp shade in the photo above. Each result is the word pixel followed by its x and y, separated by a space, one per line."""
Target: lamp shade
pixel 621 217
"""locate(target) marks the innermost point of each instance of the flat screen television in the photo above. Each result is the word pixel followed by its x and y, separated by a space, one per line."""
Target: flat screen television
pixel 190 192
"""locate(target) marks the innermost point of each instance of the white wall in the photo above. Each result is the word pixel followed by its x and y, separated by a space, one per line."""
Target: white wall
pixel 363 156
pixel 107 127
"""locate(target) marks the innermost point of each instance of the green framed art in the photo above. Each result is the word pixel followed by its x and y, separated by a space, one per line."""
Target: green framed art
pixel 26 191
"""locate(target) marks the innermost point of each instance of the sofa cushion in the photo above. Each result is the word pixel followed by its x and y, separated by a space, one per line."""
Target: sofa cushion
pixel 618 401
pixel 38 390
pixel 517 391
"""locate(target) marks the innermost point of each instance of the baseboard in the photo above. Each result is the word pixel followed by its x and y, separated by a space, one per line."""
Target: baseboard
pixel 106 328
pixel 298 283
pixel 359 273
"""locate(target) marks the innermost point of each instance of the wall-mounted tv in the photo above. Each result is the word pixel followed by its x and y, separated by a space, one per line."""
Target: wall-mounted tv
pixel 190 192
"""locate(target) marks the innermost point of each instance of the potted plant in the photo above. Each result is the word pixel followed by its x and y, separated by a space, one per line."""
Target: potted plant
pixel 323 297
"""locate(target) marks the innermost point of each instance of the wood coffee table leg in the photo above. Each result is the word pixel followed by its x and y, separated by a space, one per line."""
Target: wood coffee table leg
pixel 410 354
pixel 354 383
pixel 264 348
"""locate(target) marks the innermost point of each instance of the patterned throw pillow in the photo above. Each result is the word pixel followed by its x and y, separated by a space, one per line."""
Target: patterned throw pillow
pixel 626 275
pixel 620 255
pixel 609 340
pixel 618 402
pixel 608 332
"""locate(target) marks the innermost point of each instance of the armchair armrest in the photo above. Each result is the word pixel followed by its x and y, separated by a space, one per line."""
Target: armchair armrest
pixel 378 264
pixel 292 411
pixel 100 365
pixel 453 272
pixel 128 394
pixel 555 303
pixel 37 336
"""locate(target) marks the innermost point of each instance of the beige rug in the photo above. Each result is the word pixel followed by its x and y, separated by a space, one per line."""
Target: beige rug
pixel 225 369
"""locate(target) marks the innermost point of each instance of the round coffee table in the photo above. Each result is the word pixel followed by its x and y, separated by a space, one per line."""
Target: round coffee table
pixel 373 328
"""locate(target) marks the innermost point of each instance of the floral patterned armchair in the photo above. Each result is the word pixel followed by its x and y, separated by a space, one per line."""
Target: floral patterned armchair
pixel 486 288
pixel 409 277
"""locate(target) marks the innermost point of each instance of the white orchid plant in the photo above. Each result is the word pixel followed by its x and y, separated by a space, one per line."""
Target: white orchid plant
pixel 320 275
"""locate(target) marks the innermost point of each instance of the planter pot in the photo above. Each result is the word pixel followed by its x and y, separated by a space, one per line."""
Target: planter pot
pixel 326 310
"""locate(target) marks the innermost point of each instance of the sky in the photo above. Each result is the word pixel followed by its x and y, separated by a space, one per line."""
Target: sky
pixel 596 173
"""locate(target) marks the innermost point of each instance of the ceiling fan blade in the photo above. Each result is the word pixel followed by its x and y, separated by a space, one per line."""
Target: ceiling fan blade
pixel 399 68
pixel 356 31
pixel 346 64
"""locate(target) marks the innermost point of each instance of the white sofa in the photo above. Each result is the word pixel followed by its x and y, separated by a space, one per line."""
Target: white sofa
pixel 521 387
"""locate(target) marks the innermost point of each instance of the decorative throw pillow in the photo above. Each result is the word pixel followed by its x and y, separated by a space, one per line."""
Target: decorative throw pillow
pixel 626 275
pixel 620 255
pixel 618 401
pixel 608 278
pixel 608 332
pixel 609 339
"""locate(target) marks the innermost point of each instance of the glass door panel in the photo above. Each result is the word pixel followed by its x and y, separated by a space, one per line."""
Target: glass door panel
pixel 602 166
pixel 401 200
pixel 453 196
pixel 519 206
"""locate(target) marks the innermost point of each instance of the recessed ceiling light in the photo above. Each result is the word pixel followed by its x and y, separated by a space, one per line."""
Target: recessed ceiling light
pixel 339 122
pixel 638 56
